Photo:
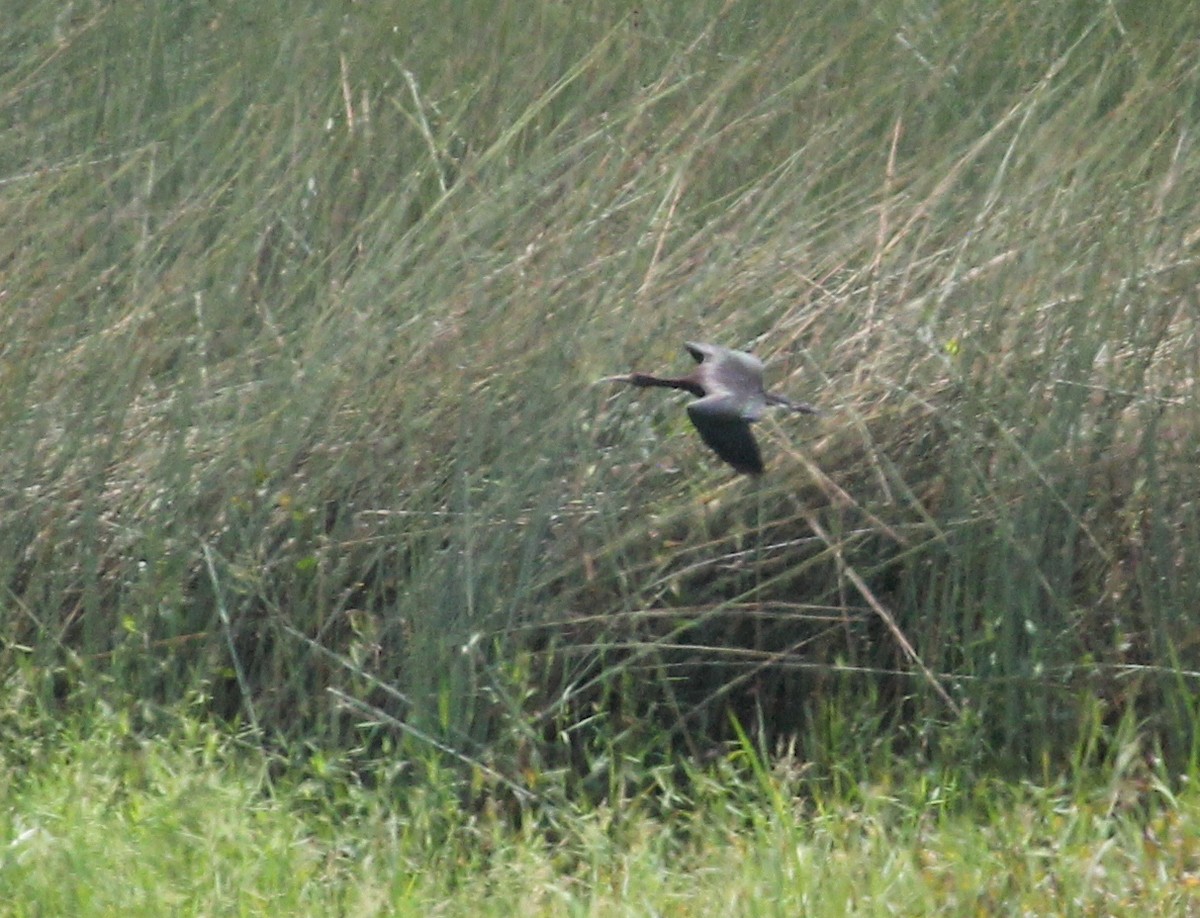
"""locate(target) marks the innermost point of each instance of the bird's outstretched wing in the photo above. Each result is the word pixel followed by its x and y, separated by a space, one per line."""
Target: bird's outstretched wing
pixel 723 428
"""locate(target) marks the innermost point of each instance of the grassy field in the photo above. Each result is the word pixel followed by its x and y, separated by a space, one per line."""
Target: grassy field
pixel 189 823
pixel 302 309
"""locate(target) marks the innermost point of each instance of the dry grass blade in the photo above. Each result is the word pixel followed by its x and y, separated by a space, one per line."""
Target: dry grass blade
pixel 888 619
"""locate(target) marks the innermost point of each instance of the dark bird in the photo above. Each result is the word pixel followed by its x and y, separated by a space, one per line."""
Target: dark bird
pixel 728 386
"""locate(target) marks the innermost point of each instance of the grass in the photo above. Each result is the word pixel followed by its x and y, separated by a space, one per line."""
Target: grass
pixel 301 311
pixel 190 822
pixel 299 391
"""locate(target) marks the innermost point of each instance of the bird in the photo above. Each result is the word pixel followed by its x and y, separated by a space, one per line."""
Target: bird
pixel 728 386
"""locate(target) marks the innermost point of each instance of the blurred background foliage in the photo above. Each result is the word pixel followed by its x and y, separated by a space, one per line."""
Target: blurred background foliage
pixel 302 307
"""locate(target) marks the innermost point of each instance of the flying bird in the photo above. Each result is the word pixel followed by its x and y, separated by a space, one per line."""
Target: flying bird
pixel 728 386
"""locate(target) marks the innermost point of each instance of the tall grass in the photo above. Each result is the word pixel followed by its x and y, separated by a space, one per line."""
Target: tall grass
pixel 303 309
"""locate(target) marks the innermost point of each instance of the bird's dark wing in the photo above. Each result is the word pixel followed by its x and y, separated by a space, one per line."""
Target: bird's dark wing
pixel 723 428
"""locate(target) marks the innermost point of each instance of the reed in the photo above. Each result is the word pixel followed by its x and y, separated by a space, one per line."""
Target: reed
pixel 301 307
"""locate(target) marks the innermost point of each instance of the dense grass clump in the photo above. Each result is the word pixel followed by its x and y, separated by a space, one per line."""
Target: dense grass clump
pixel 107 820
pixel 302 308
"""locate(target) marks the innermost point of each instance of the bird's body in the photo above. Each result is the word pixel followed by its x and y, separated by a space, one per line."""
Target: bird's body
pixel 730 395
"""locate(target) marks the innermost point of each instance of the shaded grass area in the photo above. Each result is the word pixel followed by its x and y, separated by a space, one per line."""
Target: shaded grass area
pixel 302 310
pixel 104 820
